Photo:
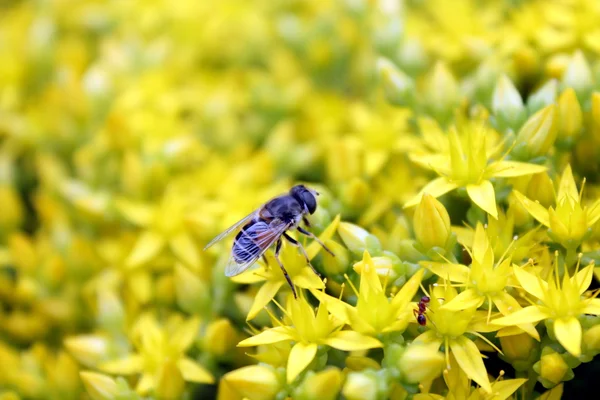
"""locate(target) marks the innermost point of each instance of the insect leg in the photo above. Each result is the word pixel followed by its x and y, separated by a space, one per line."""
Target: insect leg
pixel 312 235
pixel 302 250
pixel 306 222
pixel 285 274
pixel 266 261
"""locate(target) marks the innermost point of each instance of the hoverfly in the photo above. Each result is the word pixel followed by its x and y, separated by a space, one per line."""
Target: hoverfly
pixel 267 225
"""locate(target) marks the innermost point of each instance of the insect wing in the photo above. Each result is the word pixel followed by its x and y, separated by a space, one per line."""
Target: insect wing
pixel 232 228
pixel 255 241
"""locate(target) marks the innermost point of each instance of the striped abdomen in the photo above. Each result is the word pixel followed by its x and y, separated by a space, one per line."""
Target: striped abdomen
pixel 251 241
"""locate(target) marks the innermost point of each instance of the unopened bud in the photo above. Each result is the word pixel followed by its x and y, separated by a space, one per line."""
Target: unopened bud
pixel 431 223
pixel 324 385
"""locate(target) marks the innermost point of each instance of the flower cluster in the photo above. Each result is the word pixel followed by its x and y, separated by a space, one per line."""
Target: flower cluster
pixel 455 146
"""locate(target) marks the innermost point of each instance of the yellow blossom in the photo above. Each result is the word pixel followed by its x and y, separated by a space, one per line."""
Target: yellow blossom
pixel 560 301
pixel 470 162
pixel 309 330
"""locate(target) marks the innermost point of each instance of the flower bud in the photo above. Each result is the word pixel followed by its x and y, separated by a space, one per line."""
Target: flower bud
pixel 337 265
pixel 578 75
pixel 360 386
pixel 169 384
pixel 570 117
pixel 431 223
pixel 89 350
pixel 552 368
pixel 543 97
pixel 398 87
pixel 384 266
pixel 324 385
pixel 507 104
pixel 255 382
pixel 191 292
pixel 541 188
pixel 420 363
pixel 518 350
pixel 110 310
pixel 357 239
pixel 441 92
pixel 591 338
pixel 100 386
pixel 537 134
pixel 220 337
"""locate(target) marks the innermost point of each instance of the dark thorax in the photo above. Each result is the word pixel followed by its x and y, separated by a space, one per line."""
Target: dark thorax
pixel 285 208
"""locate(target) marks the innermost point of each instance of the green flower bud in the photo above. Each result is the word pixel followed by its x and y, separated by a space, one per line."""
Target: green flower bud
pixel 537 134
pixel 324 385
pixel 578 75
pixel 100 386
pixel 399 88
pixel 541 188
pixel 543 97
pixel 431 223
pixel 420 363
pixel 357 239
pixel 591 339
pixel 518 350
pixel 441 92
pixel 570 117
pixel 507 104
pixel 337 265
pixel 361 386
pixel 552 368
pixel 255 382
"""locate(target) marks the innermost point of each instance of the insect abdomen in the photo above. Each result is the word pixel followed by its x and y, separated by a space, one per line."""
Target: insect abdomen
pixel 247 242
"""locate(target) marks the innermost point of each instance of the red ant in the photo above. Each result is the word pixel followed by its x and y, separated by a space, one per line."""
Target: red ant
pixel 420 314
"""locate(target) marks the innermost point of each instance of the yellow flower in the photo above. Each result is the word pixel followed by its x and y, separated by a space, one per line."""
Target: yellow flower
pixel 164 225
pixel 309 330
pixel 448 328
pixel 294 262
pixel 157 346
pixel 486 279
pixel 470 162
pixel 431 223
pixel 569 221
pixel 459 387
pixel 256 382
pixel 324 385
pixel 392 315
pixel 561 302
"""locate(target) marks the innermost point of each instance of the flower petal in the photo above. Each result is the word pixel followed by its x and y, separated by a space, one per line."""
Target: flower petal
pixel 591 307
pixel 184 249
pixel 351 341
pixel 507 304
pixel 299 358
pixel 148 245
pixel 503 389
pixel 584 277
pixel 307 279
pixel 131 364
pixel 567 186
pixel 405 295
pixel 568 334
pixel 469 359
pixel 145 384
pixel 452 272
pixel 524 316
pixel 509 169
pixel 484 196
pixel 593 213
pixel 536 210
pixel 436 188
pixel 264 295
pixel 531 283
pixel 138 213
pixel 428 337
pixel 194 372
pixel 273 335
pixel 313 249
pixel 467 299
pixel 185 334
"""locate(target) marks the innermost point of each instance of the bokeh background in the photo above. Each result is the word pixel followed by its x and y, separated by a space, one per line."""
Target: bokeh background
pixel 132 132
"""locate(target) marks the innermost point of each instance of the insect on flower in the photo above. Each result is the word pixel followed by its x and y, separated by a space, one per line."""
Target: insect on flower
pixel 267 225
pixel 420 313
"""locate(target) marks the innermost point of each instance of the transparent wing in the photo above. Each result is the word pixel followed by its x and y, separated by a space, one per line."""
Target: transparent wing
pixel 232 228
pixel 264 236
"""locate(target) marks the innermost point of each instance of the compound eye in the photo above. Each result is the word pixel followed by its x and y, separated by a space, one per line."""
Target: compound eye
pixel 310 201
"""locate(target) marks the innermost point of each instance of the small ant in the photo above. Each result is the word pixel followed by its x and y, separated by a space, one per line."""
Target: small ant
pixel 420 314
